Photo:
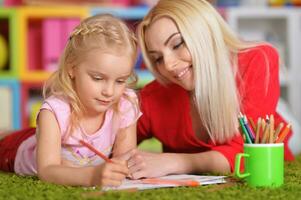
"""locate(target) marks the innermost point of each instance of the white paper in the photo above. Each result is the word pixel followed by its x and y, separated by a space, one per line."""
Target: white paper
pixel 137 184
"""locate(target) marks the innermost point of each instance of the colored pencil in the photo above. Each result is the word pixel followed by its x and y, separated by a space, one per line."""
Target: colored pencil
pixel 89 146
pixel 265 134
pixel 192 183
pixel 252 124
pixel 244 130
pixel 258 130
pixel 271 135
pixel 278 130
pixel 249 129
pixel 283 134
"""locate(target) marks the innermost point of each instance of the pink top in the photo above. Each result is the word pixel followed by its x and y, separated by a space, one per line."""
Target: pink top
pixel 103 139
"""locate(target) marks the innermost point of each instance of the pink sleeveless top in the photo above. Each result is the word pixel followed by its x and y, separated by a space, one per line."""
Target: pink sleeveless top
pixel 103 139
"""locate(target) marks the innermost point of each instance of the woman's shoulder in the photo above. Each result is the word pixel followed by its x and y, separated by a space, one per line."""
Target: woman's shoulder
pixel 152 87
pixel 157 90
pixel 266 50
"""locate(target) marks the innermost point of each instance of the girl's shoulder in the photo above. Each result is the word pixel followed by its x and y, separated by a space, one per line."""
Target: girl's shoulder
pixel 60 108
pixel 55 103
pixel 128 100
pixel 129 110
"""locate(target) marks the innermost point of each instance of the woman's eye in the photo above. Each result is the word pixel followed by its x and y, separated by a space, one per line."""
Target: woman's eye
pixel 178 45
pixel 158 60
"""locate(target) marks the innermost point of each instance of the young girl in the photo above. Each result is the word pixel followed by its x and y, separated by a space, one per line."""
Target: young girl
pixel 205 75
pixel 87 99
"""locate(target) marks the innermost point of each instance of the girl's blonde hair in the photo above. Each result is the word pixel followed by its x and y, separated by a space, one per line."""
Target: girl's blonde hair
pixel 213 47
pixel 100 32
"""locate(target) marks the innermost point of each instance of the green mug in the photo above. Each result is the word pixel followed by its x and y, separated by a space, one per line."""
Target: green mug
pixel 264 164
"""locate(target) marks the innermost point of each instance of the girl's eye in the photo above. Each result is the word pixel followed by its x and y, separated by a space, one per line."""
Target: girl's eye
pixel 97 78
pixel 120 81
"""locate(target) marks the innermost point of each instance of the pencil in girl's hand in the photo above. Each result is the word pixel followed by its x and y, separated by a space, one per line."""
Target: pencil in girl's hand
pixel 89 146
pixel 283 134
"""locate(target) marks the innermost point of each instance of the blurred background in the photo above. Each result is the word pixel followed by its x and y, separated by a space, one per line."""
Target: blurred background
pixel 33 34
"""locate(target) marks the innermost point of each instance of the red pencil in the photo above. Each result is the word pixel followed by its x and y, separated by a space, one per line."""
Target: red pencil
pixel 89 146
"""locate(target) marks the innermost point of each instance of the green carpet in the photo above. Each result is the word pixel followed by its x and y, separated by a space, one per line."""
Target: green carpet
pixel 16 187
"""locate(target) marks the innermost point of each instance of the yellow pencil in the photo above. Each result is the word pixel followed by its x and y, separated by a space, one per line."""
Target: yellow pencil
pixel 263 124
pixel 263 128
pixel 265 134
pixel 271 129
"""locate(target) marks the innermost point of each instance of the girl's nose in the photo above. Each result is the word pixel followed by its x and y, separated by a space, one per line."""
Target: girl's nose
pixel 108 89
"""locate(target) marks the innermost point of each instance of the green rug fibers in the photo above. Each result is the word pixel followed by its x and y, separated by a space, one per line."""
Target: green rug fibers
pixel 17 187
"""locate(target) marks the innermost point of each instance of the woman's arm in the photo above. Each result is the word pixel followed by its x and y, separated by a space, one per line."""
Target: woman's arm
pixel 49 165
pixel 145 164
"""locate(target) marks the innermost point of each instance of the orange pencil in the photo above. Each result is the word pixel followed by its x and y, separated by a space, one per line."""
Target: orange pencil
pixel 278 129
pixel 89 146
pixel 192 183
pixel 283 134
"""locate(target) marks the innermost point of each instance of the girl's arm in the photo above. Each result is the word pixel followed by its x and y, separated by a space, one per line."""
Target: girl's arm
pixel 49 165
pixel 125 141
pixel 145 164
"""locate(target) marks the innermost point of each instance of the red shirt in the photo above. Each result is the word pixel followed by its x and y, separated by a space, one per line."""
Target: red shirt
pixel 166 109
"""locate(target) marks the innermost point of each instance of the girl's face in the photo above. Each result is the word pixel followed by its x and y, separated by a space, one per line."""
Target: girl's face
pixel 100 79
pixel 169 53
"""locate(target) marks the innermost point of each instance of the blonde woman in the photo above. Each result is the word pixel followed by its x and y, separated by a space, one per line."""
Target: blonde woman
pixel 87 99
pixel 205 75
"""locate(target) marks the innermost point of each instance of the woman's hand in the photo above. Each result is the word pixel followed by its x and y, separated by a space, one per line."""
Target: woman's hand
pixel 110 174
pixel 145 164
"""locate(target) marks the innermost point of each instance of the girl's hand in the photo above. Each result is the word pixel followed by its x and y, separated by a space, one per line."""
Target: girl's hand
pixel 110 174
pixel 146 165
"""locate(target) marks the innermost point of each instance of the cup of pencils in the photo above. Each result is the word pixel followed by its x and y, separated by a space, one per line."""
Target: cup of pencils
pixel 263 152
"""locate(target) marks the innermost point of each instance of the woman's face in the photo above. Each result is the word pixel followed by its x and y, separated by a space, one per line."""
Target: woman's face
pixel 168 52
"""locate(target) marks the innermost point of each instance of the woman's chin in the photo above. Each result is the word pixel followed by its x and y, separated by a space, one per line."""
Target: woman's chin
pixel 187 86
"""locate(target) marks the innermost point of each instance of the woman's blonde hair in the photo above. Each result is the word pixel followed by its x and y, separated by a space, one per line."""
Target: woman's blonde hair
pixel 213 47
pixel 100 32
